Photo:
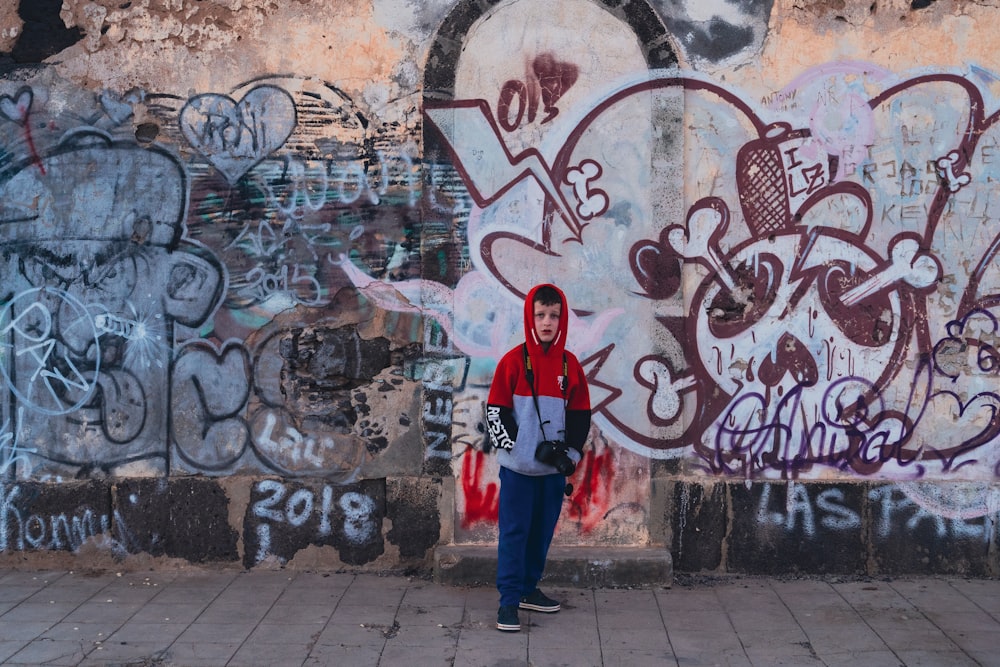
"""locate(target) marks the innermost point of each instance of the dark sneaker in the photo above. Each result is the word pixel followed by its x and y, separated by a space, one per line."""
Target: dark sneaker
pixel 538 601
pixel 507 619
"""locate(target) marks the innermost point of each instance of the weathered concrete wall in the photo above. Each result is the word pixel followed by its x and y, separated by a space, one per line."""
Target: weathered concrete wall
pixel 260 258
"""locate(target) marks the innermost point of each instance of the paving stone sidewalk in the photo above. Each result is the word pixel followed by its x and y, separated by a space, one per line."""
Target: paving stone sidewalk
pixel 191 618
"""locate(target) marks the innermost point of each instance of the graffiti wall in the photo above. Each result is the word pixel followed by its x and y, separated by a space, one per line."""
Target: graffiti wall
pixel 263 261
pixel 793 286
pixel 197 287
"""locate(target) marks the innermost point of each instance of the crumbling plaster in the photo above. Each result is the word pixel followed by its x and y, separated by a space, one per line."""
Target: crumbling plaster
pixel 10 26
pixel 190 47
pixel 372 50
pixel 892 34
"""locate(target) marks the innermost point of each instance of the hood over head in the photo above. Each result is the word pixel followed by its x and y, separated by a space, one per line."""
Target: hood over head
pixel 559 342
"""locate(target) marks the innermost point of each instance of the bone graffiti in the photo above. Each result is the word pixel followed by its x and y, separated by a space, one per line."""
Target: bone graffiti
pixel 805 312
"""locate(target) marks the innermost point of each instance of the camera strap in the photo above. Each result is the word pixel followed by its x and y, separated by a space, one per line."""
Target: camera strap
pixel 529 374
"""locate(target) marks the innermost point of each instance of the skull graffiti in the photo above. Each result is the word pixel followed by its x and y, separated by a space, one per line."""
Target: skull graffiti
pixel 797 358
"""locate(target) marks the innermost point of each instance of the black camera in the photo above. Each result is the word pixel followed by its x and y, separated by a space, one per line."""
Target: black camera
pixel 554 453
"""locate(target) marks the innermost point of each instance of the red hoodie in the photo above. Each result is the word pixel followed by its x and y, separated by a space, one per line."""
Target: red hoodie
pixel 560 386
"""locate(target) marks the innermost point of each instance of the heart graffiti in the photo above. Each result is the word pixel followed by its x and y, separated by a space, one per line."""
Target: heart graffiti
pixel 236 136
pixel 16 108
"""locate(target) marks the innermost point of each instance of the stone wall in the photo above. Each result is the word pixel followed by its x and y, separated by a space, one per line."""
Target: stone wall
pixel 260 259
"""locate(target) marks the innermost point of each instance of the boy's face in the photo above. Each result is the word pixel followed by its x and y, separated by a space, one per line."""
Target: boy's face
pixel 547 321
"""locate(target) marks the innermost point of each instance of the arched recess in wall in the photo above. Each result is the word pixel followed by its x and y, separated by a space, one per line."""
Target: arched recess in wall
pixel 439 74
pixel 537 170
pixel 506 84
pixel 442 61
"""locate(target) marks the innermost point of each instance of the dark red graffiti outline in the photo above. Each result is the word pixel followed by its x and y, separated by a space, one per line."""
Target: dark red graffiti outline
pixel 652 264
pixel 911 316
pixel 18 109
pixel 593 486
pixel 527 163
pixel 548 79
pixel 971 299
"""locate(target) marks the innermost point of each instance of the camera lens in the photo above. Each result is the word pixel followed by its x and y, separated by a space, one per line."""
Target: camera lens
pixel 565 465
pixel 554 454
pixel 547 452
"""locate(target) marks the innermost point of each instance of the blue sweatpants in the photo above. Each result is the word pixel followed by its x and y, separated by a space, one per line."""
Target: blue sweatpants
pixel 529 511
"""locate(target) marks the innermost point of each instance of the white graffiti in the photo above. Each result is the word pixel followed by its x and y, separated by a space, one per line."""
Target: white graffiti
pixel 830 511
pixel 28 339
pixel 12 454
pixel 437 418
pixel 593 202
pixel 20 530
pixel 296 188
pixel 799 512
pixel 293 446
pixel 262 242
pixel 263 285
pixel 145 336
pixel 665 402
pixel 893 501
pixel 946 170
pixel 356 511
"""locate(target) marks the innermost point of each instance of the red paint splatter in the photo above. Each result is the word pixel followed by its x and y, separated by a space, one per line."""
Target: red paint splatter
pixel 554 77
pixel 31 145
pixel 548 79
pixel 590 501
pixel 481 501
pixel 592 485
pixel 18 109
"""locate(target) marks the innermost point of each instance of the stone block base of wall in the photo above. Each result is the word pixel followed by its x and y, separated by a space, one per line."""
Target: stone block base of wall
pixel 401 524
pixel 244 522
pixel 587 567
pixel 775 528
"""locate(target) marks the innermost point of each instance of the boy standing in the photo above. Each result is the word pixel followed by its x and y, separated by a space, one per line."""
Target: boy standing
pixel 538 414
